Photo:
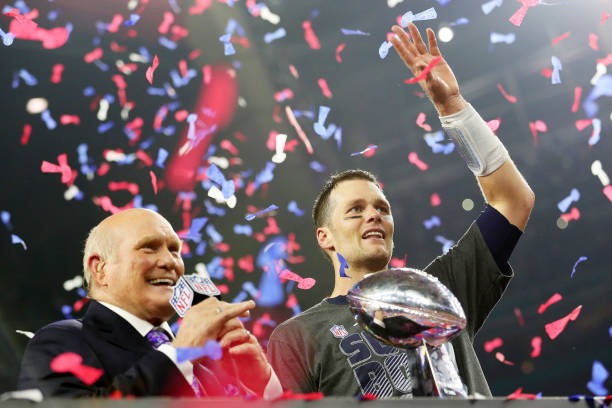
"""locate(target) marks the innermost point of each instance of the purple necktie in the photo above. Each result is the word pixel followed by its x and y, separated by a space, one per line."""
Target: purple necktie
pixel 157 337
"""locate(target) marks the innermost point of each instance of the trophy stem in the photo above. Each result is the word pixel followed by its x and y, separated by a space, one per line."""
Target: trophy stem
pixel 428 371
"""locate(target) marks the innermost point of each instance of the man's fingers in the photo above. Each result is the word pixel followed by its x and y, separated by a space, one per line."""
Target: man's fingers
pixel 231 324
pixel 234 337
pixel 228 311
pixel 403 45
pixel 416 38
pixel 433 43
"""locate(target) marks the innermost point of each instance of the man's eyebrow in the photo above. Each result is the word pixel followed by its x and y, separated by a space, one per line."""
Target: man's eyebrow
pixel 146 240
pixel 353 202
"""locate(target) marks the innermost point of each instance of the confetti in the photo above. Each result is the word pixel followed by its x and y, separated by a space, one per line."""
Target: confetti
pixel 17 240
pixel 298 129
pixel 519 15
pixel 561 37
pixel 574 214
pixel 564 204
pixel 536 345
pixel 293 208
pixel 599 375
pixel 581 259
pixel 519 395
pixel 577 95
pixel 250 217
pixel 346 31
pixel 275 35
pixel 339 49
pixel 414 159
pixel 425 72
pixel 435 200
pixel 343 266
pixel 488 6
pixel 593 41
pixel 370 149
pixel 500 357
pixel 408 17
pixel 434 221
pixel 71 362
pixel 553 299
pixel 420 121
pixel 510 98
pixel 153 181
pixel 310 36
pixel 151 70
pixel 212 349
pixel 555 328
pixel 324 88
pixel 496 38
pixel 557 67
pixel 491 345
pixel 535 127
pixel 303 283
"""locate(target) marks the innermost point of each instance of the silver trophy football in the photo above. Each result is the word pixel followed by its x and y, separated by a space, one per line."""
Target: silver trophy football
pixel 408 308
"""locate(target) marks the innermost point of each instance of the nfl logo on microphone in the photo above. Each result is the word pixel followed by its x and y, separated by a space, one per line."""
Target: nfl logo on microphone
pixel 338 331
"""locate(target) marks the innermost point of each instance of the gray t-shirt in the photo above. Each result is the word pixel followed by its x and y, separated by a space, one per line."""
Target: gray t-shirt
pixel 322 349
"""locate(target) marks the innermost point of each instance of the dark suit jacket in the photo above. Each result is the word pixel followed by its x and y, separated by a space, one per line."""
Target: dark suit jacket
pixel 105 340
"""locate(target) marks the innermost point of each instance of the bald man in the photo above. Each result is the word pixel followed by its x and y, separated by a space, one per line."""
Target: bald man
pixel 131 261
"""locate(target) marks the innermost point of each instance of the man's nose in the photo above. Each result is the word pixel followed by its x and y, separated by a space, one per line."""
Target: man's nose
pixel 372 214
pixel 167 260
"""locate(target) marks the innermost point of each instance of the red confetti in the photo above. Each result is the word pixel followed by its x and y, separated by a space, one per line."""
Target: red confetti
pixel 298 129
pixel 546 72
pixel 144 157
pixel 153 181
pixel 398 263
pixel 246 263
pixel 324 88
pixel 414 159
pixel 115 23
pixel 56 76
pixel 420 121
pixel 561 37
pixel 123 185
pixel 555 328
pixel 535 127
pixel 166 23
pixel 180 115
pixel 605 61
pixel 577 95
pixel 605 16
pixel 519 15
pixel 607 190
pixel 310 36
pixel 494 124
pixel 519 316
pixel 25 136
pixel 435 200
pixel 227 145
pixel 553 299
pixel 68 175
pixel 593 41
pixel 24 28
pixel 71 362
pixel 339 49
pixel 151 69
pixel 423 74
pixel 294 71
pixel 491 345
pixel 499 356
pixel 272 227
pixel 291 301
pixel 283 95
pixel 68 119
pixel 289 395
pixel 581 124
pixel 518 394
pixel 306 283
pixel 574 214
pixel 93 55
pixel 510 98
pixel 536 344
pixel 200 6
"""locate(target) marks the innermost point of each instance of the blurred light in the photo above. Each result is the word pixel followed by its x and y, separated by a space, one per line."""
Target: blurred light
pixel 37 105
pixel 445 34
pixel 467 204
pixel 561 223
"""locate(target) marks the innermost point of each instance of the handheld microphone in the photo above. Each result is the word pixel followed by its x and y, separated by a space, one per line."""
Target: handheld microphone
pixel 191 290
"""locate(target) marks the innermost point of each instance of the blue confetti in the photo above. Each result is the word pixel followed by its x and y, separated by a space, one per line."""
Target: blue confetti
pixel 316 166
pixel 275 35
pixel 293 207
pixel 581 259
pixel 353 32
pixel 599 375
pixel 211 349
pixel 490 5
pixel 434 221
pixel 564 204
pixel 250 217
pixel 343 266
pixel 243 230
pixel 556 63
pixel 16 240
pixel 498 38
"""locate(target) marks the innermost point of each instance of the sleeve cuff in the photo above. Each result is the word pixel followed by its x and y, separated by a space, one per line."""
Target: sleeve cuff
pixel 273 389
pixel 185 367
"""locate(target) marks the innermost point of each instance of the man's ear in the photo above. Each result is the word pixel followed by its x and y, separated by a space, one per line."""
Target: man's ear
pixel 325 238
pixel 97 270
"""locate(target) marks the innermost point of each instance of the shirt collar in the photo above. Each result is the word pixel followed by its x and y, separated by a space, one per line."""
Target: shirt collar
pixel 142 326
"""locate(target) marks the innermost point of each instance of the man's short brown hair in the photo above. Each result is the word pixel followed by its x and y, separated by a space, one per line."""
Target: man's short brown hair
pixel 320 209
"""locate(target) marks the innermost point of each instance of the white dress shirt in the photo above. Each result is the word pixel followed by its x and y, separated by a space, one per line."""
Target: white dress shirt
pixel 273 389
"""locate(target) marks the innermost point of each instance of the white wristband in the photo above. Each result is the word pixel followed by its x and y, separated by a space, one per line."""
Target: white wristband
pixel 480 148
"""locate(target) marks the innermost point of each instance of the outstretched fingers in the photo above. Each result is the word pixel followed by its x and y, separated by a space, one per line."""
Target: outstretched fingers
pixel 403 45
pixel 433 43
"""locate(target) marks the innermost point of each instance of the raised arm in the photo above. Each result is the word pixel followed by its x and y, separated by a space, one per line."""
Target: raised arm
pixel 501 183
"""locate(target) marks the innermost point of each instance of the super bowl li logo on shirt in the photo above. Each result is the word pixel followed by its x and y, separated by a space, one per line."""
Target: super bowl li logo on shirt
pixel 379 369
